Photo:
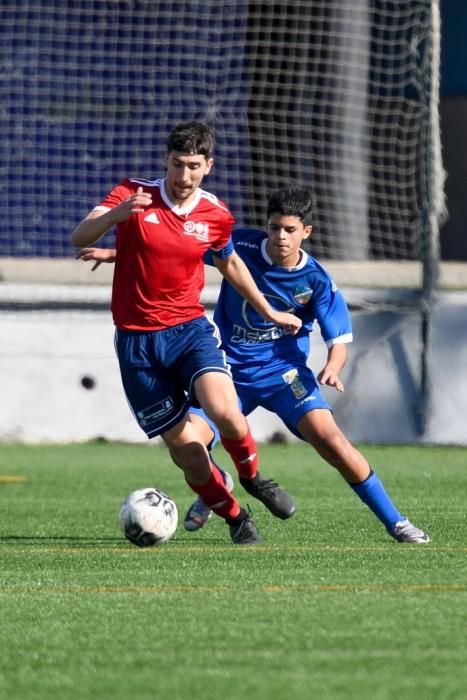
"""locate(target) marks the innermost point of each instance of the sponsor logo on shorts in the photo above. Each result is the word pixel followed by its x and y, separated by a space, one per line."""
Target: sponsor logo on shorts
pixel 292 378
pixel 156 412
pixel 305 400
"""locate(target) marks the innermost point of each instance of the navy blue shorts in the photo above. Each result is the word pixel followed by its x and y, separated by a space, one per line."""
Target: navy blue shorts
pixel 159 369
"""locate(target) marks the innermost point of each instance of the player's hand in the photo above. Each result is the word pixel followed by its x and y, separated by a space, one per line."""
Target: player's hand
pixel 100 255
pixel 134 204
pixel 330 378
pixel 289 322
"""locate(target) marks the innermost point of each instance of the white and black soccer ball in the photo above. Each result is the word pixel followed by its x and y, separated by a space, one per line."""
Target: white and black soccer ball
pixel 148 517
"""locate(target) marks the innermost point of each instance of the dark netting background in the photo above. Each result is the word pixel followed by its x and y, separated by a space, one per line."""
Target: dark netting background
pixel 311 92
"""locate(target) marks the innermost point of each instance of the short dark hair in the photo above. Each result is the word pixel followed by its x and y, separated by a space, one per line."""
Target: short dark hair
pixel 191 138
pixel 291 201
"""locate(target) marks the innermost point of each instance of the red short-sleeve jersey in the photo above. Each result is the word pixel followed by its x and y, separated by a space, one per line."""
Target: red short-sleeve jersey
pixel 159 270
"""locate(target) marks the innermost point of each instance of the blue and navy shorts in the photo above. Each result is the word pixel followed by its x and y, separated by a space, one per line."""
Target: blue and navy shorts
pixel 159 370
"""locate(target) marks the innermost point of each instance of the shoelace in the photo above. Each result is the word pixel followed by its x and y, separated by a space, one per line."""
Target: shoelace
pixel 245 522
pixel 265 485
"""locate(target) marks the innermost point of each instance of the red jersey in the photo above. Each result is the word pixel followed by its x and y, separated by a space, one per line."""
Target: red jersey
pixel 159 270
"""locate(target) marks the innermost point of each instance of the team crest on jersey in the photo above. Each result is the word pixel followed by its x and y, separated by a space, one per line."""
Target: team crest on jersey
pixel 302 294
pixel 197 229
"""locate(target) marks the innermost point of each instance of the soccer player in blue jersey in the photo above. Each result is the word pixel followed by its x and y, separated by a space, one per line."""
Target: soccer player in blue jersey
pixel 269 366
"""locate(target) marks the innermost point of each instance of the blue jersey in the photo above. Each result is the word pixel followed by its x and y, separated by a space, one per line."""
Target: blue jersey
pixel 306 290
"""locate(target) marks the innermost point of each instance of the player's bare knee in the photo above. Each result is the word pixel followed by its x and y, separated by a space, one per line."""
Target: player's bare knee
pixel 332 447
pixel 192 458
pixel 229 420
pixel 188 452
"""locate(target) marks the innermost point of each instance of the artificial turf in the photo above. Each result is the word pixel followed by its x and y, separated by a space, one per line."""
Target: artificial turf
pixel 327 607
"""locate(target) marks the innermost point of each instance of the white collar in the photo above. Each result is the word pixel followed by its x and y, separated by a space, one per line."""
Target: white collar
pixel 175 208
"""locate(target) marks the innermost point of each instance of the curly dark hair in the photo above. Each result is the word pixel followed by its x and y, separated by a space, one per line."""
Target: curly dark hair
pixel 191 138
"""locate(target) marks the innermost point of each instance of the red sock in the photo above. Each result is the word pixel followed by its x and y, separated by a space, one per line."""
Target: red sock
pixel 216 496
pixel 244 454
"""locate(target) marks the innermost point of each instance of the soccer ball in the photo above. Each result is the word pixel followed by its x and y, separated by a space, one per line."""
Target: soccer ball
pixel 148 517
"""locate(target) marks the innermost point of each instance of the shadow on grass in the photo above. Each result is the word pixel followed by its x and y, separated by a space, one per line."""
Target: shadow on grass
pixel 40 540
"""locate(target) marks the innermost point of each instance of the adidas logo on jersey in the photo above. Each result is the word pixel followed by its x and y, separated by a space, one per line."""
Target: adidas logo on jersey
pixel 152 218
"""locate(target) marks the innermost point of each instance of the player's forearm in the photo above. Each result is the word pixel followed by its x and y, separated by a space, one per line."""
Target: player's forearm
pixel 329 375
pixel 92 228
pixel 337 357
pixel 238 275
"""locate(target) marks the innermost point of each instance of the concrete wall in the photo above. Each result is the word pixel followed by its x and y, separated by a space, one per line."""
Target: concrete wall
pixel 44 357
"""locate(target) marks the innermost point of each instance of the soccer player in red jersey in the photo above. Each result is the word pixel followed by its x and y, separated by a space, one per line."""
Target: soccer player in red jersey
pixel 168 351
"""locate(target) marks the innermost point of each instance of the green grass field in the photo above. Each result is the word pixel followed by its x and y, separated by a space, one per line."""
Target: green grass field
pixel 328 607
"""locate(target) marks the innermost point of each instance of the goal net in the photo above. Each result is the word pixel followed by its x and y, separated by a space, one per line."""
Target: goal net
pixel 340 96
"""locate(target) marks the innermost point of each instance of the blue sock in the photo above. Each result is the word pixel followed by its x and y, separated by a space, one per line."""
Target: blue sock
pixel 372 492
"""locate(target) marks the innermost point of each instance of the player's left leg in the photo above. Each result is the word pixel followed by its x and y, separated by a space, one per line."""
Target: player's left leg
pixel 294 395
pixel 319 428
pixel 216 394
pixel 191 455
pixel 199 514
pixel 204 372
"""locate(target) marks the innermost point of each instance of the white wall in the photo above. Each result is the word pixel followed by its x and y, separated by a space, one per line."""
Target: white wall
pixel 44 356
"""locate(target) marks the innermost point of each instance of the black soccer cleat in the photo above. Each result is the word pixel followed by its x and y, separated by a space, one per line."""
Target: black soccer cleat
pixel 277 501
pixel 244 532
